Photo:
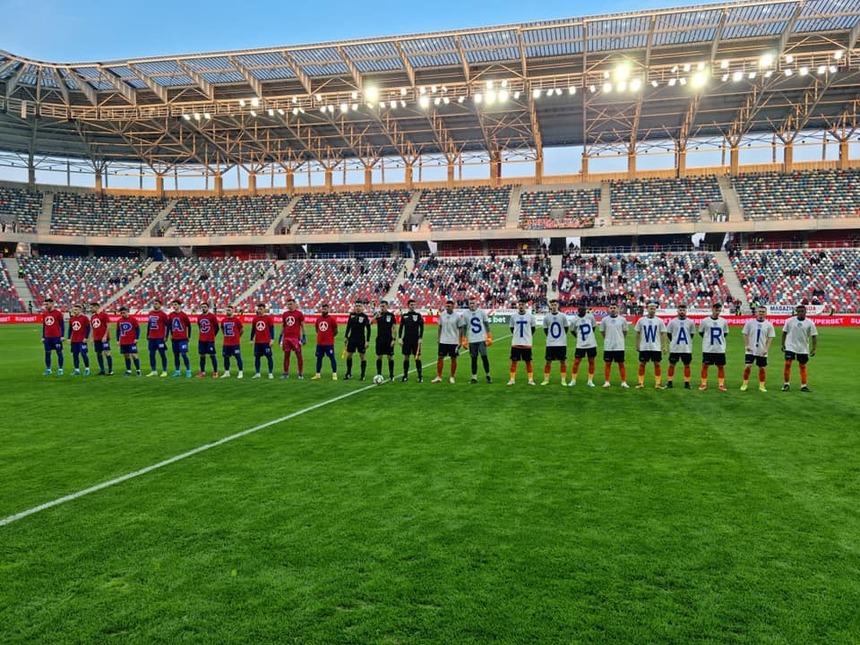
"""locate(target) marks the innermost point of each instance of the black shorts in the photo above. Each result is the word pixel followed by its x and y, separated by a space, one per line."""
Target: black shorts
pixel 101 346
pixel 447 350
pixel 262 349
pixel 760 361
pixel 128 349
pixel 713 358
pixel 384 347
pixel 359 345
pixel 521 353
pixel 206 347
pixel 614 357
pixel 478 349
pixel 410 347
pixel 803 359
pixel 555 354
pixel 650 356
pixel 685 357
pixel 582 352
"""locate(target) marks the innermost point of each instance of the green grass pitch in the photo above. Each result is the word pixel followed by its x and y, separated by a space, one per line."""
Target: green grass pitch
pixel 427 513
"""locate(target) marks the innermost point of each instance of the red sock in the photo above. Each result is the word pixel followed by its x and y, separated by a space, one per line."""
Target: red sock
pixel 747 371
pixel 641 371
pixel 803 375
pixel 671 372
pixel 687 373
pixel 761 375
pixel 564 370
pixel 439 363
pixel 530 370
pixel 606 368
pixel 453 366
pixel 658 370
pixel 575 369
pixel 513 369
pixel 546 370
pixel 786 371
pixel 704 373
pixel 590 367
pixel 623 369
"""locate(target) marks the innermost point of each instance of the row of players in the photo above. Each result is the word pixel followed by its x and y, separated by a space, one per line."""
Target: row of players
pixel 467 329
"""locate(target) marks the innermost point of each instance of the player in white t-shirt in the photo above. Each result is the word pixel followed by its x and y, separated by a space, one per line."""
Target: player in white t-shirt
pixel 614 330
pixel 680 331
pixel 651 343
pixel 583 326
pixel 797 333
pixel 477 338
pixel 555 326
pixel 714 331
pixel 522 331
pixel 758 334
pixel 452 328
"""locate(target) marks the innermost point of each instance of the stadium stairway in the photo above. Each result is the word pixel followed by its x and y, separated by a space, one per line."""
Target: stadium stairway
pixel 19 284
pixel 259 283
pixel 285 214
pixel 514 208
pixel 43 224
pixel 730 197
pixel 158 219
pixel 731 278
pixel 391 296
pixel 150 268
pixel 406 215
pixel 604 209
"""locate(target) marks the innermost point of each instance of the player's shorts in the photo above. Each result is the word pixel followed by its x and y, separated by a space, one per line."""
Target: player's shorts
pixel 582 352
pixel 230 351
pixel 760 361
pixel 616 356
pixel 685 357
pixel 478 349
pixel 325 350
pixel 555 354
pixel 803 359
pixel 128 349
pixel 650 356
pixel 384 347
pixel 713 358
pixel 447 350
pixel 262 349
pixel 53 344
pixel 291 344
pixel 206 347
pixel 521 354
pixel 101 346
pixel 179 346
pixel 410 347
pixel 79 348
pixel 353 346
pixel 156 344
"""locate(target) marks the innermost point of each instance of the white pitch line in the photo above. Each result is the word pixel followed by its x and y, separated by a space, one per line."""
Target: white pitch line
pixel 161 464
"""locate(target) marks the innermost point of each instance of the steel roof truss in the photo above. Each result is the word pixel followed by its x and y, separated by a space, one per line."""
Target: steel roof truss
pixel 159 90
pixel 204 85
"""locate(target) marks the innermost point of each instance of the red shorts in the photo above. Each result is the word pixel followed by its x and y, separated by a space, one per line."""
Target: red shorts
pixel 291 345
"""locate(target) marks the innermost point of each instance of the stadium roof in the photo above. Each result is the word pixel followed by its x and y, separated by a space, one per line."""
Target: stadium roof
pixel 614 81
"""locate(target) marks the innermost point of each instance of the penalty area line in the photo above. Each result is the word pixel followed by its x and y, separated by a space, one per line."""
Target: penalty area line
pixel 172 460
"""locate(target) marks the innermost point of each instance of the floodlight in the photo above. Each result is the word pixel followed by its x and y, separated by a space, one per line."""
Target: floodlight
pixel 255 102
pixel 737 76
pixel 607 87
pixel 789 71
pixel 803 70
pixel 479 98
pixel 766 60
pixel 253 113
pixel 838 54
pixel 344 108
pixel 424 102
pixel 789 59
pixel 536 93
pixel 635 85
pixel 672 82
pixel 724 64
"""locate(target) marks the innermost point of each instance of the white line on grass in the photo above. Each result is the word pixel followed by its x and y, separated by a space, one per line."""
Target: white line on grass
pixel 173 460
pixel 161 464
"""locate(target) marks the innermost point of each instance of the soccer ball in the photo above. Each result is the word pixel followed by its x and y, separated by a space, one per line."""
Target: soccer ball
pixel 379 379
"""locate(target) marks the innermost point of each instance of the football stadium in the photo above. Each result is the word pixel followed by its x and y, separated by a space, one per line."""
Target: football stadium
pixel 284 332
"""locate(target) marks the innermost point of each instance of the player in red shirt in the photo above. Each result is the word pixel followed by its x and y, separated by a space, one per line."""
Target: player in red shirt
pixel 180 334
pixel 293 337
pixel 157 328
pixel 53 331
pixel 232 328
pixel 99 323
pixel 262 334
pixel 127 334
pixel 207 326
pixel 326 327
pixel 79 331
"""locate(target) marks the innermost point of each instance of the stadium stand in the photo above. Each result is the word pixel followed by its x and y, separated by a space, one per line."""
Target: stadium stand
pixel 558 208
pixel 352 212
pixel 19 209
pixel 69 280
pixel 694 278
pixel 662 201
pixel 218 281
pixel 9 298
pixel 787 277
pixel 472 209
pixel 496 282
pixel 800 195
pixel 209 216
pixel 101 214
pixel 339 282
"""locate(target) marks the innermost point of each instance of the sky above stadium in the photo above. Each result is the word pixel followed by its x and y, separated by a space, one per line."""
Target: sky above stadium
pixel 100 30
